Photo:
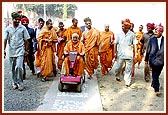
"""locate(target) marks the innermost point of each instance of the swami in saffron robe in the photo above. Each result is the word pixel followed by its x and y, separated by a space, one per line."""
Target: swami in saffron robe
pixel 139 48
pixel 45 58
pixel 79 62
pixel 106 50
pixel 91 40
pixel 72 30
pixel 60 48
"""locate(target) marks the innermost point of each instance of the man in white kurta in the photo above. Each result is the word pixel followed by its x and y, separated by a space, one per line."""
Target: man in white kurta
pixel 124 44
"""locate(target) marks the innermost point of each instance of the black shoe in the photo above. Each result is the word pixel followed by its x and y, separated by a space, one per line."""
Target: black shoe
pixel 90 78
pixel 38 75
pixel 33 73
pixel 24 76
pixel 14 86
pixel 158 94
pixel 20 88
pixel 146 79
pixel 118 79
pixel 55 73
pixel 127 85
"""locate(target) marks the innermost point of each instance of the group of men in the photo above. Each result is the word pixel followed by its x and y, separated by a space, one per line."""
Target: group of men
pixel 127 48
pixel 133 46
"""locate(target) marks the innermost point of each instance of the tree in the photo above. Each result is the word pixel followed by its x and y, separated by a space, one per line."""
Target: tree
pixel 52 10
pixel 37 8
pixel 65 12
pixel 71 10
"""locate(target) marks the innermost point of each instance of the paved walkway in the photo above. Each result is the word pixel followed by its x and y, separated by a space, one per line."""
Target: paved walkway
pixel 87 101
pixel 55 101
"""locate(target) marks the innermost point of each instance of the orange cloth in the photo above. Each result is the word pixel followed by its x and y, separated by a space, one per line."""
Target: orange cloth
pixel 45 58
pixel 60 48
pixel 79 64
pixel 106 50
pixel 55 29
pixel 139 47
pixel 72 30
pixel 91 39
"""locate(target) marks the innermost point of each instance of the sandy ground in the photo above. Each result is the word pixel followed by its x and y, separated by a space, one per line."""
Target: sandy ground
pixel 139 97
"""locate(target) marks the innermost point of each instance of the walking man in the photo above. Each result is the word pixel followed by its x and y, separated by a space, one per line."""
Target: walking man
pixel 74 45
pixel 144 41
pixel 123 47
pixel 45 58
pixel 74 29
pixel 91 40
pixel 61 33
pixel 139 35
pixel 106 49
pixel 30 58
pixel 37 33
pixel 155 56
pixel 16 35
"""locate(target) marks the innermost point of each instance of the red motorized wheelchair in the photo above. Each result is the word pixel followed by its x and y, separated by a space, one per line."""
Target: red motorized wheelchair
pixel 71 79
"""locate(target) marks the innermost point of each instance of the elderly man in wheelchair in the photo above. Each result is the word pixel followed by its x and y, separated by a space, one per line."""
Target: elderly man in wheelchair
pixel 74 56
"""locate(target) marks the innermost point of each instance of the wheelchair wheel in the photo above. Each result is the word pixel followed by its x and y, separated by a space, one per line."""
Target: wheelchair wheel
pixel 79 87
pixel 60 87
pixel 83 77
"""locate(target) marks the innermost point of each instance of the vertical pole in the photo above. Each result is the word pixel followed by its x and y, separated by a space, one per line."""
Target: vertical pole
pixel 44 12
pixel 65 12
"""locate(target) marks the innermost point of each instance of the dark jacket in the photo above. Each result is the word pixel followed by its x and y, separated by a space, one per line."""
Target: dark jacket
pixel 154 55
pixel 83 28
pixel 31 40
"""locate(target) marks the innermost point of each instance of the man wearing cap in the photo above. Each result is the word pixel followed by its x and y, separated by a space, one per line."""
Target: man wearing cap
pixel 17 36
pixel 144 40
pixel 155 56
pixel 75 45
pixel 123 48
pixel 30 58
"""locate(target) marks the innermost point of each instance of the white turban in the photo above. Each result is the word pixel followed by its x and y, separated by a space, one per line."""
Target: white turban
pixel 75 35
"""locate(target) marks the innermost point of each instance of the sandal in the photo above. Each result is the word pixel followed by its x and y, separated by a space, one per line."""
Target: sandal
pixel 118 79
pixel 90 78
pixel 43 79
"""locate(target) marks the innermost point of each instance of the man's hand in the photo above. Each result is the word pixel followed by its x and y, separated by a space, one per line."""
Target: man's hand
pixel 99 53
pixel 4 54
pixel 50 40
pixel 26 53
pixel 45 40
pixel 146 62
pixel 60 39
pixel 65 55
pixel 115 56
pixel 81 54
pixel 136 55
pixel 34 51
